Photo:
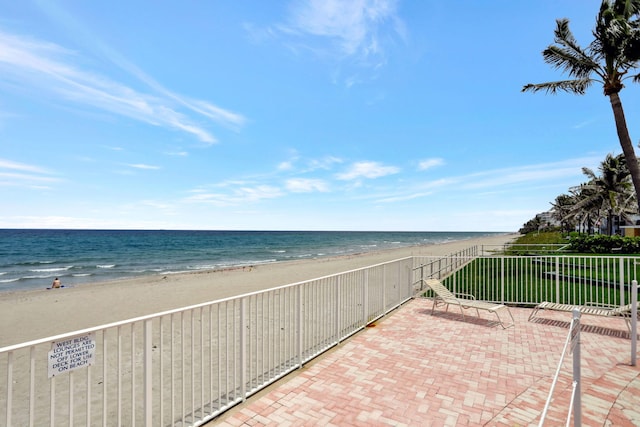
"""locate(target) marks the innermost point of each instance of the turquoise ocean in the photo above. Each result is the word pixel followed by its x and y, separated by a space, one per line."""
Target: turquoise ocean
pixel 31 259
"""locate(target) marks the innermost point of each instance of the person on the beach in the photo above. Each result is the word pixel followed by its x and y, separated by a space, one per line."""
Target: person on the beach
pixel 56 283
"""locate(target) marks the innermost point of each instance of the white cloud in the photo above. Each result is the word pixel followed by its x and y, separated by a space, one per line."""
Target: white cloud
pixel 356 34
pixel 430 163
pixel 527 174
pixel 259 192
pixel 48 69
pixel 15 174
pixel 367 170
pixel 325 163
pixel 236 196
pixel 177 153
pixel 353 25
pixel 285 166
pixel 403 198
pixel 143 166
pixel 8 164
pixel 303 185
pixel 513 180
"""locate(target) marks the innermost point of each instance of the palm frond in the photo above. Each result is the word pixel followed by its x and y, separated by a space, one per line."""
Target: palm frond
pixel 578 86
pixel 563 35
pixel 589 173
pixel 567 54
pixel 575 63
pixel 625 8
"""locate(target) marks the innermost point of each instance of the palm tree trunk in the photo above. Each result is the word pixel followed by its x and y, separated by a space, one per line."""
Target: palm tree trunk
pixel 625 143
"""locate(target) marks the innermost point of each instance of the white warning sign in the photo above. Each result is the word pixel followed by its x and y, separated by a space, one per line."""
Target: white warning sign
pixel 74 353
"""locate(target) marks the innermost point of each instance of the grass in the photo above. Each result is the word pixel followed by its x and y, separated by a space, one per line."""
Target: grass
pixel 532 272
pixel 543 238
pixel 538 243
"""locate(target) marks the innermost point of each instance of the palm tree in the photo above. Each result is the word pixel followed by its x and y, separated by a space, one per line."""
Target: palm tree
pixel 610 192
pixel 587 207
pixel 614 52
pixel 563 210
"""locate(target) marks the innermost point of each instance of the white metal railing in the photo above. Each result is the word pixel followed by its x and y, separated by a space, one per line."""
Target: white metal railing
pixel 530 280
pixel 526 281
pixel 526 248
pixel 572 342
pixel 184 367
pixel 428 267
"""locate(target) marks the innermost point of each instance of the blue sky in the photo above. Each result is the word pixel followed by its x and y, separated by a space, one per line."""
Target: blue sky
pixel 300 115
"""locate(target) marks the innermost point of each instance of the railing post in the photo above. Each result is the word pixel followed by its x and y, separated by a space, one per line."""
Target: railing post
pixel 634 321
pixel 148 373
pixel 338 300
pixel 622 280
pixel 10 386
pixel 384 288
pixel 243 348
pixel 299 335
pixel 558 280
pixel 577 407
pixel 365 298
pixel 502 281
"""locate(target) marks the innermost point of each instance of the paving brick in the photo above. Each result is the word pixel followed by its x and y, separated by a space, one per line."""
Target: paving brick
pixel 421 369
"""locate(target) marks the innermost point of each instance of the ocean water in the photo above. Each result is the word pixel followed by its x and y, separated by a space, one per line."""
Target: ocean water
pixel 31 259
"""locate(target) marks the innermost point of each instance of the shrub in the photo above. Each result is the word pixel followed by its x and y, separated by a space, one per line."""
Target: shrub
pixel 602 244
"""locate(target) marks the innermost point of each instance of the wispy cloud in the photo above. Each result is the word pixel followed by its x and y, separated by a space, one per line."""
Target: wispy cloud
pixel 529 174
pixel 24 175
pixel 287 165
pixel 583 124
pixel 177 153
pixel 51 70
pixel 236 197
pixel 353 26
pixel 305 165
pixel 93 43
pixel 430 163
pixel 367 170
pixel 355 34
pixel 403 198
pixel 324 163
pixel 23 167
pixel 143 166
pixel 495 181
pixel 305 185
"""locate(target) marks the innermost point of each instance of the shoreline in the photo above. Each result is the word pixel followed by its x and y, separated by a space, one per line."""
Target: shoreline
pixel 35 257
pixel 34 314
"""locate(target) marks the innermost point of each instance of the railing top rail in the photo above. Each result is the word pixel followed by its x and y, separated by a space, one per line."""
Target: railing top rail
pixel 566 255
pixel 66 335
pixel 525 244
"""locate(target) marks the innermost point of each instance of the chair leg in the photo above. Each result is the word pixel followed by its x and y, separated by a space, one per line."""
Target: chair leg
pixel 513 321
pixel 499 319
pixel 534 312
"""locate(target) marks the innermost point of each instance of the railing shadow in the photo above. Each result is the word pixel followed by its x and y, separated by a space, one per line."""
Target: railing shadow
pixel 593 329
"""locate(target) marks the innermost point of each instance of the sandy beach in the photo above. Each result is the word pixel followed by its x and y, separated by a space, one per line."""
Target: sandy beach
pixel 30 315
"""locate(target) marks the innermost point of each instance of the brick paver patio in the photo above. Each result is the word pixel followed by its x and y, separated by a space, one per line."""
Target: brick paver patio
pixel 418 369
